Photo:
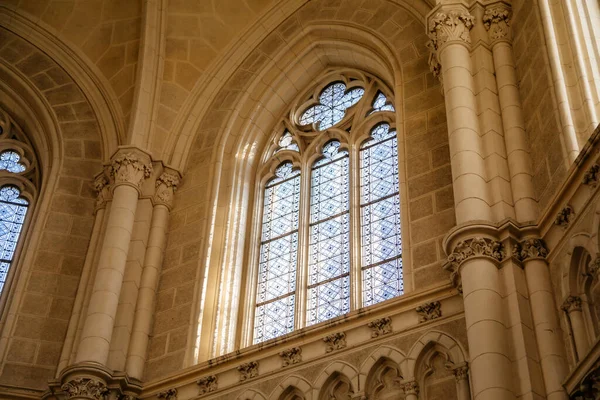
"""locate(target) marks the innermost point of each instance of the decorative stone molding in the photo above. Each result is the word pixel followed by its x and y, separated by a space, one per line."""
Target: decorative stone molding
pixel 335 341
pixel 101 187
pixel 453 26
pixel 130 168
pixel 589 388
pixel 429 311
pixel 563 218
pixel 571 303
pixel 85 388
pixel 127 397
pixel 380 327
pixel 530 249
pixel 496 20
pixel 170 394
pixel 166 185
pixel 594 267
pixel 411 387
pixel 207 384
pixel 248 370
pixel 291 356
pixel 477 247
pixel 461 373
pixel 434 64
pixel 591 176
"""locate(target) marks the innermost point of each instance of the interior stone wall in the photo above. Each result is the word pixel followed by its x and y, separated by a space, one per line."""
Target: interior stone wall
pixel 44 309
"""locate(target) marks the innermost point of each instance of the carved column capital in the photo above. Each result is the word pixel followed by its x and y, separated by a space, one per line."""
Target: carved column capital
pixel 410 387
pixel 496 20
pixel 452 25
pixel 571 303
pixel 477 247
pixel 166 185
pixel 461 372
pixel 85 388
pixel 130 168
pixel 529 249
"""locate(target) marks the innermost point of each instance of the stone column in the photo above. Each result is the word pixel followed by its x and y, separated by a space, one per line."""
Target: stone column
pixel 129 169
pixel 496 20
pixel 532 253
pixel 166 185
pixel 450 43
pixel 572 307
pixel 461 374
pixel 411 390
pixel 476 260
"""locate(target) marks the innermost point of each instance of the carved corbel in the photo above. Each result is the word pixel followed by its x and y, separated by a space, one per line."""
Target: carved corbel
pixel 429 311
pixel 380 326
pixel 591 176
pixel 87 388
pixel 207 384
pixel 564 216
pixel 496 20
pixel 170 394
pixel 335 341
pixel 291 356
pixel 248 370
pixel 593 269
pixel 101 187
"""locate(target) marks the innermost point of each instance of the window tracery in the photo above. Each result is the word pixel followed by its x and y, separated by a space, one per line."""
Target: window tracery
pixel 310 267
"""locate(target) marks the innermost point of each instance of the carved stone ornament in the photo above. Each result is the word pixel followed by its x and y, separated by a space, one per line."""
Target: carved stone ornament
pixel 127 397
pixel 529 249
pixel 563 218
pixel 434 64
pixel 591 176
pixel 335 341
pixel 291 356
pixel 594 267
pixel 411 387
pixel 170 394
pixel 496 20
pixel 571 303
pixel 85 387
pixel 429 311
pixel 166 185
pixel 461 373
pixel 381 326
pixel 101 188
pixel 453 25
pixel 248 370
pixel 589 388
pixel 476 247
pixel 130 168
pixel 207 384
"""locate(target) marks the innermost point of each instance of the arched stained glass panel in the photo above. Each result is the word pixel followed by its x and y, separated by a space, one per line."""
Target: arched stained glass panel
pixel 381 244
pixel 334 101
pixel 329 249
pixel 11 162
pixel 13 209
pixel 278 255
pixel 287 142
pixel 381 104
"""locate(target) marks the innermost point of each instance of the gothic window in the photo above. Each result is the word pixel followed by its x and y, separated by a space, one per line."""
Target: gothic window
pixel 331 170
pixel 13 209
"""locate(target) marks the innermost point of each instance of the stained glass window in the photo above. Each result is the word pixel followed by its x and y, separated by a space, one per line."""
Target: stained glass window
pixel 329 248
pixel 278 255
pixel 381 244
pixel 381 104
pixel 287 142
pixel 333 103
pixel 13 209
pixel 10 161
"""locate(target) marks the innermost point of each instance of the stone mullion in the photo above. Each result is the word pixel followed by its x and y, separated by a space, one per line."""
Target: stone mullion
pixel 573 310
pixel 129 170
pixel 301 304
pixel 356 300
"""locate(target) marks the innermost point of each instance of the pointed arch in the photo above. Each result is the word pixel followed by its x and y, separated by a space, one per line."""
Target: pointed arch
pixel 381 353
pixel 292 384
pixel 251 394
pixel 336 370
pixel 443 342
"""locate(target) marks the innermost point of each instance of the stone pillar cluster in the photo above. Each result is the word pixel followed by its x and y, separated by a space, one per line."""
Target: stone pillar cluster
pixel 86 366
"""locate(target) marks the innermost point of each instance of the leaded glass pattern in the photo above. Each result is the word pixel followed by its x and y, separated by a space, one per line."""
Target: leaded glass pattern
pixel 287 142
pixel 381 243
pixel 333 103
pixel 329 243
pixel 13 209
pixel 10 161
pixel 381 104
pixel 278 255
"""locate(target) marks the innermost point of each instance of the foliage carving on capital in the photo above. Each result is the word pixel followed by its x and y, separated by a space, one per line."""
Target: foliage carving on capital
pixel 461 373
pixel 335 341
pixel 563 218
pixel 571 303
pixel 130 168
pixel 476 247
pixel 291 356
pixel 207 384
pixel 594 267
pixel 429 311
pixel 530 249
pixel 411 387
pixel 496 20
pixel 591 176
pixel 166 185
pixel 381 326
pixel 85 388
pixel 453 25
pixel 248 370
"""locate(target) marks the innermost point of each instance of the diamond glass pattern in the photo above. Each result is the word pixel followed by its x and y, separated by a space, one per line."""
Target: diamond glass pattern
pixel 381 243
pixel 329 248
pixel 334 101
pixel 10 161
pixel 381 104
pixel 12 215
pixel 287 142
pixel 278 255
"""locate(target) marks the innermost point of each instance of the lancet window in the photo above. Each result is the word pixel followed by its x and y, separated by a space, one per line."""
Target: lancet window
pixel 329 228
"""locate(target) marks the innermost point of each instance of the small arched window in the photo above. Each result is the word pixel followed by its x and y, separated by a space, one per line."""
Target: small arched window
pixel 13 209
pixel 329 234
